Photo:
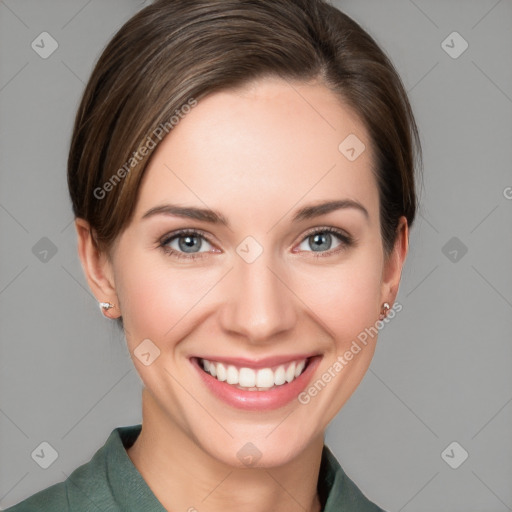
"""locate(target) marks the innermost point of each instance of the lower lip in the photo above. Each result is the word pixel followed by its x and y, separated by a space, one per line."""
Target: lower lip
pixel 258 400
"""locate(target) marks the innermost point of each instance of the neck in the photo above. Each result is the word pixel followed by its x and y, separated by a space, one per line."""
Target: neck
pixel 183 476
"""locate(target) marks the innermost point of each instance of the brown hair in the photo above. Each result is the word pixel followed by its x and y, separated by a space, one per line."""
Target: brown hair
pixel 176 50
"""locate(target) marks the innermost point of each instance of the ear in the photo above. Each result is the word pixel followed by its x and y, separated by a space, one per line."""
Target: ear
pixel 393 264
pixel 97 267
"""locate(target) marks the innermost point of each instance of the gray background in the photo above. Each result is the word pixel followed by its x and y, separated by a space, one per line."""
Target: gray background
pixel 442 369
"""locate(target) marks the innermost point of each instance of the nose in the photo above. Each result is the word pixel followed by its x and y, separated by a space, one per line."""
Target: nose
pixel 259 305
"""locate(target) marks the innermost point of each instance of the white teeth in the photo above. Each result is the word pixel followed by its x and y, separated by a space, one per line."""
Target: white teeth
pixel 254 380
pixel 264 379
pixel 280 376
pixel 232 375
pixel 247 378
pixel 290 373
pixel 299 368
pixel 221 372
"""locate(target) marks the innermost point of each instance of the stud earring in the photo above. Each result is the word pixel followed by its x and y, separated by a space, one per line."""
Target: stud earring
pixel 384 312
pixel 105 306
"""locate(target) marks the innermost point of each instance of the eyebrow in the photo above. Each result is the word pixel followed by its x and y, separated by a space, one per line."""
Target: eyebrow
pixel 215 217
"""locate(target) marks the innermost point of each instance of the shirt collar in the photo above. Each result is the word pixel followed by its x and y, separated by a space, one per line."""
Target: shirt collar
pixel 129 489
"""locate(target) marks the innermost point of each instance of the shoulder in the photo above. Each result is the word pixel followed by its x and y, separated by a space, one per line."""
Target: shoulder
pixel 339 491
pixel 80 491
pixel 88 488
pixel 52 498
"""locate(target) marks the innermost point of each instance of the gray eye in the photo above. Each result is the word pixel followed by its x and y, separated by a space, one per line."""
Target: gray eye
pixel 188 243
pixel 320 241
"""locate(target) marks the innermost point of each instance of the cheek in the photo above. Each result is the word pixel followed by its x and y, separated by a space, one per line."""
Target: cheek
pixel 158 301
pixel 345 296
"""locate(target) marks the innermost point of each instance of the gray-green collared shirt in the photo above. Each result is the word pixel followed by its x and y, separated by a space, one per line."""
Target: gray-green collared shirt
pixel 110 482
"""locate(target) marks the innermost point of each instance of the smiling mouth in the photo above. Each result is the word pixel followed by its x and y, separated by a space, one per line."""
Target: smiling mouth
pixel 249 379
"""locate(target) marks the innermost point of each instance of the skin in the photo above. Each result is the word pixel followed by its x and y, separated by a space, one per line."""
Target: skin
pixel 256 155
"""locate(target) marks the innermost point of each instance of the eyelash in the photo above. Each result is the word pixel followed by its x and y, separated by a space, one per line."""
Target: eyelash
pixel 345 239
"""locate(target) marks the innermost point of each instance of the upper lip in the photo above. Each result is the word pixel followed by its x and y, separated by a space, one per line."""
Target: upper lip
pixel 266 362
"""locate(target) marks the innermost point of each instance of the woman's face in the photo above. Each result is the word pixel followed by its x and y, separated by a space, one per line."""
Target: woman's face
pixel 251 285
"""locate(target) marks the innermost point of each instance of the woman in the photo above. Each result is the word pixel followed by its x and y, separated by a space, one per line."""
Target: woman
pixel 242 179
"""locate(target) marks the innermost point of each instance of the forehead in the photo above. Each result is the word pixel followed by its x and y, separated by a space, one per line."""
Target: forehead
pixel 263 148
